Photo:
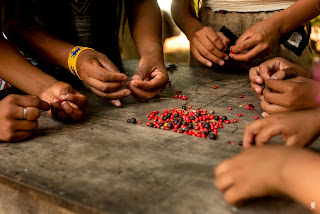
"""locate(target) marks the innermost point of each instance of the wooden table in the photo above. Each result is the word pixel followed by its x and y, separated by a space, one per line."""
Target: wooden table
pixel 103 164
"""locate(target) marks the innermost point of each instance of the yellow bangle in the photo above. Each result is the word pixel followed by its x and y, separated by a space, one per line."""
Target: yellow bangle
pixel 72 60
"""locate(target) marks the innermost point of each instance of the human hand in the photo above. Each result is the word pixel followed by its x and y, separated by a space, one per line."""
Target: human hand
pixel 151 78
pixel 208 46
pixel 276 68
pixel 290 95
pixel 73 103
pixel 13 126
pixel 255 172
pixel 101 76
pixel 258 40
pixel 287 124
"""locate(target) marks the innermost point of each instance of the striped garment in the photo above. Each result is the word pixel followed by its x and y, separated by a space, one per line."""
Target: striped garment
pixel 248 5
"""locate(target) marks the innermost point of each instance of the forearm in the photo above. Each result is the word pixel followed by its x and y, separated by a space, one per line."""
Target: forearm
pixel 296 15
pixel 146 27
pixel 300 177
pixel 46 47
pixel 185 20
pixel 16 70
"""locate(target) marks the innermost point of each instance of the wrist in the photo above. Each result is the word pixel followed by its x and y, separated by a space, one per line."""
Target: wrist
pixel 45 86
pixel 194 26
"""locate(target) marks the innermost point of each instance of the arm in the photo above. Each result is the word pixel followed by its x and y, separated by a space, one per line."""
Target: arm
pixel 261 37
pixel 206 44
pixel 145 24
pixel 97 72
pixel 291 171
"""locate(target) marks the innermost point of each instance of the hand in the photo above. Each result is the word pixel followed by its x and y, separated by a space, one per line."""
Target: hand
pixel 299 128
pixel 276 68
pixel 255 172
pixel 258 40
pixel 290 95
pixel 208 46
pixel 73 103
pixel 150 79
pixel 13 127
pixel 101 76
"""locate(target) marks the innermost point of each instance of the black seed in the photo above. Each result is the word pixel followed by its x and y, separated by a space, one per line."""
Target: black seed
pixel 184 108
pixel 192 118
pixel 184 123
pixel 180 130
pixel 134 120
pixel 161 124
pixel 129 121
pixel 207 126
pixel 190 126
pixel 240 143
pixel 150 125
pixel 251 105
pixel 224 118
pixel 165 117
pixel 217 117
pixel 186 129
pixel 213 136
pixel 198 114
pixel 176 115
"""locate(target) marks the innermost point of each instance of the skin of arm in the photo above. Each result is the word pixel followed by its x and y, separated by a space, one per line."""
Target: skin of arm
pixel 146 29
pixel 291 171
pixel 206 45
pixel 260 38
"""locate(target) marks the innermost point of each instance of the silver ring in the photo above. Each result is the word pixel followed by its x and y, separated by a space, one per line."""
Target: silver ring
pixel 25 113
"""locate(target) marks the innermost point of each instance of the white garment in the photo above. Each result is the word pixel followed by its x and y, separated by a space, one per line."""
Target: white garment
pixel 249 5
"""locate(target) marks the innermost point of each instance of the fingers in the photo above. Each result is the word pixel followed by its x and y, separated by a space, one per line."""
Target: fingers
pixel 255 79
pixel 107 64
pixel 243 45
pixel 57 110
pixel 17 136
pixel 142 95
pixel 31 101
pixel 271 108
pixel 72 112
pixel 104 87
pixel 251 131
pixel 205 53
pixel 104 75
pixel 200 58
pixel 32 113
pixel 251 54
pixel 25 125
pixel 78 99
pixel 278 85
pixel 265 135
pixel 225 40
pixel 214 38
pixel 158 82
pixel 214 45
pixel 112 96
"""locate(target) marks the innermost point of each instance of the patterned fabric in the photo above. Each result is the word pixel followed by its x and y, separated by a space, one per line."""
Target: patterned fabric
pixel 82 15
pixel 248 5
pixel 4 85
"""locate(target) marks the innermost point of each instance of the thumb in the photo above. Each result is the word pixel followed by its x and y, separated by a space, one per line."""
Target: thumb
pixel 67 89
pixel 108 65
pixel 144 69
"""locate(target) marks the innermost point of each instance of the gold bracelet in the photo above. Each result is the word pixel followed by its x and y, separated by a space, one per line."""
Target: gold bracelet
pixel 72 60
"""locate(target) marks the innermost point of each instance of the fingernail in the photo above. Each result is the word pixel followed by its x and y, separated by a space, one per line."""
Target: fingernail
pixel 69 97
pixel 136 77
pixel 124 78
pixel 226 57
pixel 117 103
pixel 258 80
pixel 257 90
pixel 63 97
pixel 273 77
pixel 65 105
pixel 221 63
pixel 134 83
pixel 128 93
pixel 209 64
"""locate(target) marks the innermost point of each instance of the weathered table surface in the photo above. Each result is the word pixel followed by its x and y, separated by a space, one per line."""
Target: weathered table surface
pixel 102 164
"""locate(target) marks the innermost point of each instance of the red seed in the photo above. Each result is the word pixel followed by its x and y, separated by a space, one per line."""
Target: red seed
pixel 227 121
pixel 241 96
pixel 234 120
pixel 232 143
pixel 176 96
pixel 256 117
pixel 251 108
pixel 240 115
pixel 139 122
pixel 61 100
pixel 148 123
pixel 230 108
pixel 215 86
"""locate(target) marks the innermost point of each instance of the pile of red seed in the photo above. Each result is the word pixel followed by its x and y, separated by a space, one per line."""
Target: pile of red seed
pixel 191 122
